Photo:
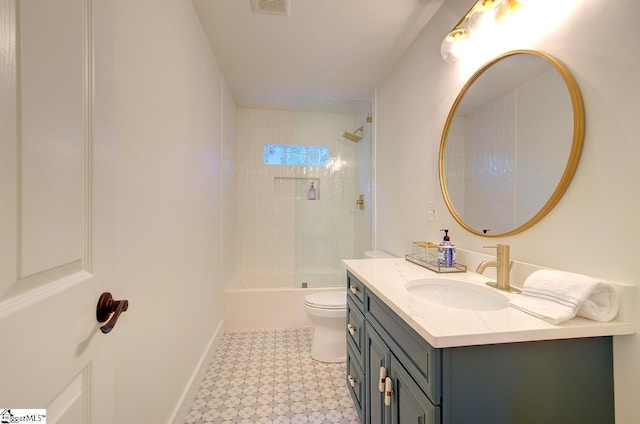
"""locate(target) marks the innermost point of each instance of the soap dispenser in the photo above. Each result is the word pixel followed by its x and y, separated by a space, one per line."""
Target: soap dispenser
pixel 312 192
pixel 446 252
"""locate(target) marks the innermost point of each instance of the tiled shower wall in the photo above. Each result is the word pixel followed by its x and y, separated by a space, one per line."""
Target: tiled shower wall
pixel 278 230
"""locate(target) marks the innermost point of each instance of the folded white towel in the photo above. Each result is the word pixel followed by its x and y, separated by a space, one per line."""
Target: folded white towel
pixel 557 296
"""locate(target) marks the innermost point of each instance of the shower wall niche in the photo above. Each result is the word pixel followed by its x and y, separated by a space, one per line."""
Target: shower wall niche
pixel 279 230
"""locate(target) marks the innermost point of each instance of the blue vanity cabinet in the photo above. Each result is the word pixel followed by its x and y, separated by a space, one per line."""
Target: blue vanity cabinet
pixel 550 381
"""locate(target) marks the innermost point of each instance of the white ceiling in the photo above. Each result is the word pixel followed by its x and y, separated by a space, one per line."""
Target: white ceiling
pixel 324 51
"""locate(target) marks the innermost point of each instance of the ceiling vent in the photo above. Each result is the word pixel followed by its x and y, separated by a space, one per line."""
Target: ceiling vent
pixel 273 7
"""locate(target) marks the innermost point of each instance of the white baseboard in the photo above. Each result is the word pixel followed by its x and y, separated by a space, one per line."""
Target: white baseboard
pixel 189 393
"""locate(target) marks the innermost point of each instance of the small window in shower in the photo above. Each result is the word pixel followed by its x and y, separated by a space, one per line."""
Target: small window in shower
pixel 318 156
pixel 286 154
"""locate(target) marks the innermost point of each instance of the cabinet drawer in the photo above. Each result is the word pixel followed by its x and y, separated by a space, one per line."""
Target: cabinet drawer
pixel 421 360
pixel 355 328
pixel 355 380
pixel 355 290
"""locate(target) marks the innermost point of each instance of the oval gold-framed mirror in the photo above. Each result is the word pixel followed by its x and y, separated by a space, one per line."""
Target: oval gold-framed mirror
pixel 511 143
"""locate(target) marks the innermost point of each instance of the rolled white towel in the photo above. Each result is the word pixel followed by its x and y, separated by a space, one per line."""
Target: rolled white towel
pixel 557 296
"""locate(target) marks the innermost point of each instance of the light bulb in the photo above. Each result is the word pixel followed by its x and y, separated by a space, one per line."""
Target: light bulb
pixel 501 9
pixel 482 15
pixel 453 43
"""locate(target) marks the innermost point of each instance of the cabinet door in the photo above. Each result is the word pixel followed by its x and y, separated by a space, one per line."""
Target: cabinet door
pixel 409 405
pixel 377 356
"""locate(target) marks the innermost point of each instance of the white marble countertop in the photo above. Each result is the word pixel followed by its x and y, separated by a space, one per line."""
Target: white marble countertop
pixel 444 326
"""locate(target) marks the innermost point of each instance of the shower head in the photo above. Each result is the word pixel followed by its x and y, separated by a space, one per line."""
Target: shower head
pixel 353 136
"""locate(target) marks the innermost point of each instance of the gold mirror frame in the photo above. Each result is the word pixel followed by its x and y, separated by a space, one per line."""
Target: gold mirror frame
pixel 574 155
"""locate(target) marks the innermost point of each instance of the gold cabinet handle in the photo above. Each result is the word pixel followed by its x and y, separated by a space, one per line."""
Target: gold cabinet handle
pixel 382 380
pixel 388 391
pixel 352 381
pixel 352 329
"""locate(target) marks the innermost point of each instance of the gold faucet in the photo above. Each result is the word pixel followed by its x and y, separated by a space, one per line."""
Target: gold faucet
pixel 503 267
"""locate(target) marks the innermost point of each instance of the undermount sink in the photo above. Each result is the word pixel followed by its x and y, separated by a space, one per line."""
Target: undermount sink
pixel 457 294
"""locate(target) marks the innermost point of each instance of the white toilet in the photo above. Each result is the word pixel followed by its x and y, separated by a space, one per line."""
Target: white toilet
pixel 328 312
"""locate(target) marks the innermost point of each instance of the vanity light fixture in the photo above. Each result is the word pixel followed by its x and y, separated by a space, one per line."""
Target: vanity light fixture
pixel 483 14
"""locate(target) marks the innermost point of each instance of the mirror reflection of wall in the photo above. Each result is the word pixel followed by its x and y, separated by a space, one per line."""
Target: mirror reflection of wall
pixel 508 143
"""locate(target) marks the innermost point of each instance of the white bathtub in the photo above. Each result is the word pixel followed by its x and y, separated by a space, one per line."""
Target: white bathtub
pixel 256 302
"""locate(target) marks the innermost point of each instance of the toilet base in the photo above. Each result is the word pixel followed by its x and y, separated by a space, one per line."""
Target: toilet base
pixel 329 344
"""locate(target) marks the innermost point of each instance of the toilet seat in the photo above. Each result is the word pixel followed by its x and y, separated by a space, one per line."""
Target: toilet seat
pixel 330 300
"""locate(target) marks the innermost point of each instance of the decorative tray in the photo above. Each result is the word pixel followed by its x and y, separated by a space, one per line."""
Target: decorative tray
pixel 425 254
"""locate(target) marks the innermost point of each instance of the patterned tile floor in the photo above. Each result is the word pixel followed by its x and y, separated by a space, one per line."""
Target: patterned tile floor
pixel 269 377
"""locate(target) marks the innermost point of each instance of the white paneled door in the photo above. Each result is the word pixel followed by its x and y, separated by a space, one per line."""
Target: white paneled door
pixel 56 207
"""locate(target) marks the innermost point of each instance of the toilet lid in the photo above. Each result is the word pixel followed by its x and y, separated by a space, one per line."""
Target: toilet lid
pixel 327 300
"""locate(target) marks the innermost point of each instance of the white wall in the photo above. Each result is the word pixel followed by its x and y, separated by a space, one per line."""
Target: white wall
pixel 593 229
pixel 169 202
pixel 228 186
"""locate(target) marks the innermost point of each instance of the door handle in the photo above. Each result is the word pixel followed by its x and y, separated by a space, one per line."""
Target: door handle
pixel 108 306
